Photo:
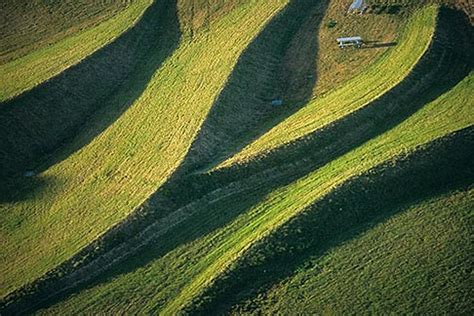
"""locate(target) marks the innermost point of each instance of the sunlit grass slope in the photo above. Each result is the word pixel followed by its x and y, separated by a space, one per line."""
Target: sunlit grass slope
pixel 415 262
pixel 295 59
pixel 172 282
pixel 369 85
pixel 447 114
pixel 105 180
pixel 39 122
pixel 56 37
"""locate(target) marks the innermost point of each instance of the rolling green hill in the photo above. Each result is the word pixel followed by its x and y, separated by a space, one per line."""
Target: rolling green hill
pixel 145 170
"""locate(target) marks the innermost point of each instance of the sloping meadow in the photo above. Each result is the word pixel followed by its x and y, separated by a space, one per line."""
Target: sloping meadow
pixel 186 191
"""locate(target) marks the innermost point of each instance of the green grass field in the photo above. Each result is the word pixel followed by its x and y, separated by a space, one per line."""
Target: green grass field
pixel 144 169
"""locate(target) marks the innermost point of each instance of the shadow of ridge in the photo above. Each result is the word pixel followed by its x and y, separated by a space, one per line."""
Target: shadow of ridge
pixel 48 121
pixel 280 63
pixel 152 230
pixel 27 188
pixel 378 45
pixel 346 213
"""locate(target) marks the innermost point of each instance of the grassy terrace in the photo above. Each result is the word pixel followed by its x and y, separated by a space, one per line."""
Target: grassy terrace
pixel 153 138
pixel 356 93
pixel 163 284
pixel 50 52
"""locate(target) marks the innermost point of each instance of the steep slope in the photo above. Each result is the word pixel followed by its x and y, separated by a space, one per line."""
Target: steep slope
pixel 294 59
pixel 286 202
pixel 357 93
pixel 121 218
pixel 37 123
pixel 151 285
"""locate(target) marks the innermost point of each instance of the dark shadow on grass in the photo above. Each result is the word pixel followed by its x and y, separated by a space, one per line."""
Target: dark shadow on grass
pixel 280 63
pixel 210 201
pixel 377 44
pixel 344 214
pixel 60 116
pixel 24 188
pixel 385 9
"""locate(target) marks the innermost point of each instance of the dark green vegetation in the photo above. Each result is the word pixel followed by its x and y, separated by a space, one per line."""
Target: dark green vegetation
pixel 164 181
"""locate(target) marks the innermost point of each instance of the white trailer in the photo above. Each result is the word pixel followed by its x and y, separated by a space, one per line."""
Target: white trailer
pixel 350 41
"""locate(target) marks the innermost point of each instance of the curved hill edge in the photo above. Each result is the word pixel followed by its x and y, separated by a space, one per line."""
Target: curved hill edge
pixel 140 162
pixel 382 76
pixel 106 83
pixel 372 197
pixel 29 71
pixel 151 232
pixel 284 203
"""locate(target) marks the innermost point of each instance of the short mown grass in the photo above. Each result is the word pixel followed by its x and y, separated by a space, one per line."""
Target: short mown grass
pixel 171 282
pixel 205 226
pixel 359 91
pixel 447 114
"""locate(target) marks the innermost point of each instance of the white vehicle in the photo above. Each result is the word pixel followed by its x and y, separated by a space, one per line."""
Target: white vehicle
pixel 350 41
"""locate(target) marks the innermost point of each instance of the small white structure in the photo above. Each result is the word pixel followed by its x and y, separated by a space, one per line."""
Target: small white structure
pixel 357 6
pixel 350 41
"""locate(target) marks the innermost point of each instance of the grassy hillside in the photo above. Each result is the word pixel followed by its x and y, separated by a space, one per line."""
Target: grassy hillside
pixel 58 41
pixel 294 59
pixel 388 266
pixel 155 176
pixel 369 85
pixel 50 115
pixel 169 274
pixel 46 194
pixel 141 284
pixel 153 139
